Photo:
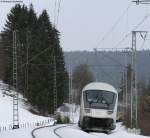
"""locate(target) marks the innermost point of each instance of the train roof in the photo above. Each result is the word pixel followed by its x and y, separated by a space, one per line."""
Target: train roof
pixel 99 86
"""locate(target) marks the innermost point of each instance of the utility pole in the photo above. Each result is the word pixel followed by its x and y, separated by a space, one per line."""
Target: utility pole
pixel 15 79
pixel 70 93
pixel 123 93
pixel 55 85
pixel 124 50
pixel 134 92
pixel 126 83
pixel 70 86
pixel 27 62
pixel 15 83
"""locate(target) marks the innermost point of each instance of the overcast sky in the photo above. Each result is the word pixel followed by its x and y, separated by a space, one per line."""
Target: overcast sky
pixel 83 23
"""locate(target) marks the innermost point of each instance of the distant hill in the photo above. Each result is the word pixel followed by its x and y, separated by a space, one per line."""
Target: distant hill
pixel 108 66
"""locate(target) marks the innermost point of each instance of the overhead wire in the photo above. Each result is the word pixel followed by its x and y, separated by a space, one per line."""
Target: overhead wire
pixel 55 6
pixel 37 55
pixel 146 39
pixel 127 34
pixel 58 11
pixel 135 28
pixel 106 73
pixel 114 25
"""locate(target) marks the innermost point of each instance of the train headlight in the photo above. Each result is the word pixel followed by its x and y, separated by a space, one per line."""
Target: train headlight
pixel 87 111
pixel 110 112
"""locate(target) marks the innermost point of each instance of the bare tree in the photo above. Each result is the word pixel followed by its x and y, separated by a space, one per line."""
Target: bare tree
pixel 82 75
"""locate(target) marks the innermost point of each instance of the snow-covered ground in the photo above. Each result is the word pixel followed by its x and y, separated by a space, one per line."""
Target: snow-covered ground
pixel 75 132
pixel 72 111
pixel 31 120
pixel 6 114
pixel 27 120
pixel 18 133
pixel 68 132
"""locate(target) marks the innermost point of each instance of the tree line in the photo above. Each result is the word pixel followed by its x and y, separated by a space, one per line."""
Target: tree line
pixel 143 103
pixel 38 51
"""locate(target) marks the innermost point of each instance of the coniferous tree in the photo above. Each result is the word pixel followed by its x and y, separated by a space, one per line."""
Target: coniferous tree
pixel 16 21
pixel 39 44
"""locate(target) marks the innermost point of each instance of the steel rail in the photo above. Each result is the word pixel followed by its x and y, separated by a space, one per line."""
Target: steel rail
pixel 55 130
pixel 33 131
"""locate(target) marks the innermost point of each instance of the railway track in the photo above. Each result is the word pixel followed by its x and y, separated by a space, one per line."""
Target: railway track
pixel 59 135
pixel 50 126
pixel 60 127
pixel 34 130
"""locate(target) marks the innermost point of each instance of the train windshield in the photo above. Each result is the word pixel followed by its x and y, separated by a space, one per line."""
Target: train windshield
pixel 99 99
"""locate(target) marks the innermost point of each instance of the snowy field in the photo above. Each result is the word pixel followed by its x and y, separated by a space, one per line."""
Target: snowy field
pixel 27 120
pixel 31 120
pixel 68 132
pixel 75 132
pixel 6 115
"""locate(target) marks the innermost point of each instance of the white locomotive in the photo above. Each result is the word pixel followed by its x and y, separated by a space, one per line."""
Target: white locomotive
pixel 98 109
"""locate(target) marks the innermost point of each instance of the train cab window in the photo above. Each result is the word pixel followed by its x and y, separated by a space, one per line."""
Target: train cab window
pixel 99 99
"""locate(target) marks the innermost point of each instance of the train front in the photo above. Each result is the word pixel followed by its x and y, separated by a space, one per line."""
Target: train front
pixel 99 107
